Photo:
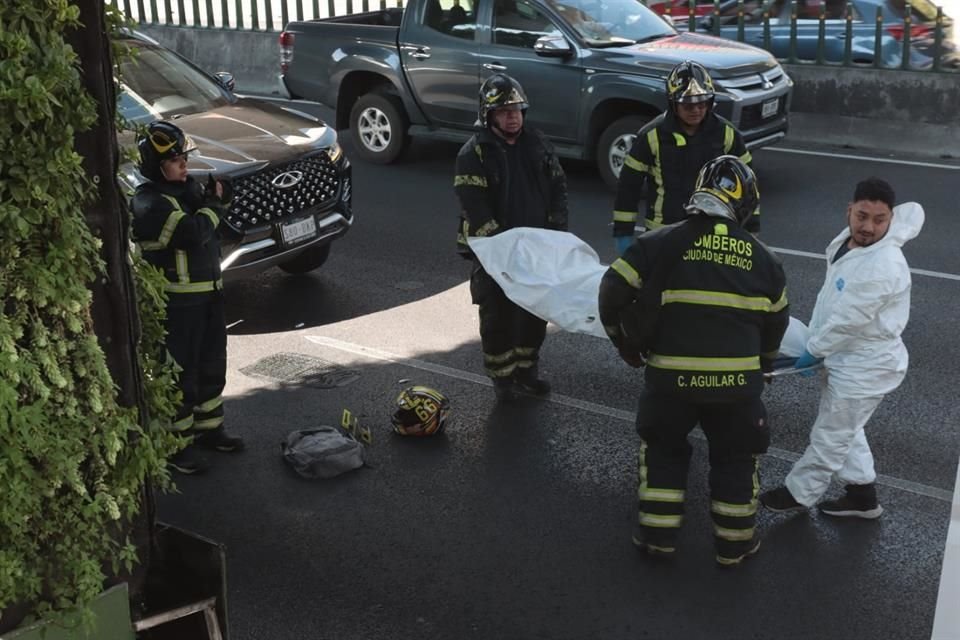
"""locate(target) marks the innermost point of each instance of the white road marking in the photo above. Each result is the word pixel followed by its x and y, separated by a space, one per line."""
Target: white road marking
pixel 849 156
pixel 585 405
pixel 820 256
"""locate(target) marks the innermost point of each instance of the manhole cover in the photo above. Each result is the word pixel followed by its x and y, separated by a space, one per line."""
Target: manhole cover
pixel 301 369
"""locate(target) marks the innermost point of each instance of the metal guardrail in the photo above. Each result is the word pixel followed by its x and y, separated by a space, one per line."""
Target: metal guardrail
pixel 272 15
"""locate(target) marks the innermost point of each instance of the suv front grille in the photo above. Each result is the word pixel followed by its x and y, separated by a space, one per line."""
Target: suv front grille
pixel 263 197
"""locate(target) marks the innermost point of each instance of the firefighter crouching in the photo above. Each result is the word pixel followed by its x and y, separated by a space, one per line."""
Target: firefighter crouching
pixel 702 303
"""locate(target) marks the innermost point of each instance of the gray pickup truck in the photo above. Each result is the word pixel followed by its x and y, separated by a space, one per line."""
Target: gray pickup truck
pixel 593 71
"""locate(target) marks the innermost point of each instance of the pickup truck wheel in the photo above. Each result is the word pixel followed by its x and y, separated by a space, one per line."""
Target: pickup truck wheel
pixel 307 261
pixel 614 145
pixel 378 126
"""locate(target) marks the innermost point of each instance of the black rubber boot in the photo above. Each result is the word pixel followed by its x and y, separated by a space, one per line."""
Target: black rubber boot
pixel 528 382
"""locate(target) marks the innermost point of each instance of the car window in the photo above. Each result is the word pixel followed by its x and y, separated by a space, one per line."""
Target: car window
pixel 517 23
pixel 457 18
pixel 159 84
pixel 604 23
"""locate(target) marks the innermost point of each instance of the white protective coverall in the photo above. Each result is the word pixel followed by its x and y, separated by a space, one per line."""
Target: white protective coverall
pixel 859 315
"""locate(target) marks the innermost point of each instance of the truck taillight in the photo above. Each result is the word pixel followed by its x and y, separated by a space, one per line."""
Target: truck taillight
pixel 286 51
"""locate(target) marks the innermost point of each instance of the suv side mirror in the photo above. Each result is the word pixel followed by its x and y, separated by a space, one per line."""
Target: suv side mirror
pixel 553 46
pixel 226 80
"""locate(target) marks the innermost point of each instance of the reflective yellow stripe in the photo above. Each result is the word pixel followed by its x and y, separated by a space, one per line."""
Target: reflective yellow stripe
pixel 692 363
pixel 632 163
pixel 208 424
pixel 170 224
pixel 733 535
pixel 209 405
pixel 657 173
pixel 746 157
pixel 627 272
pixel 716 299
pixel 501 372
pixel 152 246
pixel 183 269
pixel 661 495
pixel 642 469
pixel 680 139
pixel 728 137
pixel 654 224
pixel 780 304
pixel 733 510
pixel 624 216
pixel 210 213
pixel 182 425
pixel 497 358
pixel 469 181
pixel 660 520
pixel 524 351
pixel 486 229
pixel 193 287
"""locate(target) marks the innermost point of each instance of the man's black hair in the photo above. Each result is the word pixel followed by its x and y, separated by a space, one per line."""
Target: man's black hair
pixel 875 190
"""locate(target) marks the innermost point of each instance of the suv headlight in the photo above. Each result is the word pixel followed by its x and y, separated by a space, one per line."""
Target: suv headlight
pixel 334 151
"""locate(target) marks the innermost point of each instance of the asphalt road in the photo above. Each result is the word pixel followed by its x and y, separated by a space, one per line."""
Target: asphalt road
pixel 516 523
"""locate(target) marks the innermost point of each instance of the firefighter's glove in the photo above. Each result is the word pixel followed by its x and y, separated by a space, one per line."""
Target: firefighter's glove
pixel 633 358
pixel 805 361
pixel 622 243
pixel 218 191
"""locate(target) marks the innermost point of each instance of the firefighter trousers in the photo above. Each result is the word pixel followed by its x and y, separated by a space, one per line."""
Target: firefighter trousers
pixel 737 433
pixel 197 340
pixel 511 337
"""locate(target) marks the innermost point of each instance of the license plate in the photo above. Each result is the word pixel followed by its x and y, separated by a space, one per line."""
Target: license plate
pixel 298 231
pixel 769 108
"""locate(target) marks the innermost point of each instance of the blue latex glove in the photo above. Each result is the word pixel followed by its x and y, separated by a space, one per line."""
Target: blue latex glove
pixel 622 243
pixel 805 360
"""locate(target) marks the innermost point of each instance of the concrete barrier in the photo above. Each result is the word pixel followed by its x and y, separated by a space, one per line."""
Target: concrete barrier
pixel 866 109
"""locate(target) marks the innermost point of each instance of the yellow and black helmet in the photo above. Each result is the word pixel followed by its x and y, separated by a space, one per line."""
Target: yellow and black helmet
pixel 500 90
pixel 726 187
pixel 689 83
pixel 161 141
pixel 421 411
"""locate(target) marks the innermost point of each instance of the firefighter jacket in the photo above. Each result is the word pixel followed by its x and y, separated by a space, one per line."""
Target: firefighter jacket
pixel 483 182
pixel 175 225
pixel 721 310
pixel 662 168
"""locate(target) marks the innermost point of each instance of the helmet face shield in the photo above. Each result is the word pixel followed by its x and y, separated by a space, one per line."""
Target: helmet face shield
pixel 421 411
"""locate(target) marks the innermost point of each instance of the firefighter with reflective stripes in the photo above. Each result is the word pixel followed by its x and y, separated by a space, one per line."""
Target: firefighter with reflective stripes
pixel 668 153
pixel 702 303
pixel 507 176
pixel 175 221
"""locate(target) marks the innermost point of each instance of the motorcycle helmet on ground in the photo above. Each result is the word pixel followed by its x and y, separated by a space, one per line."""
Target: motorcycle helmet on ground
pixel 421 411
pixel 726 187
pixel 161 141
pixel 500 90
pixel 689 83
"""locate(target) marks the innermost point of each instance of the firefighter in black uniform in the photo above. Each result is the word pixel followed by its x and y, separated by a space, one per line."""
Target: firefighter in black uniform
pixel 703 304
pixel 668 153
pixel 175 221
pixel 507 176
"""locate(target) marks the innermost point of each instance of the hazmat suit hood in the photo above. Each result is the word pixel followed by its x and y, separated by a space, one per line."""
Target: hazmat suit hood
pixel 863 308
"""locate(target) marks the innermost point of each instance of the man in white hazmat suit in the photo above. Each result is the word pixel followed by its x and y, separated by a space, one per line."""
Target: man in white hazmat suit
pixel 859 315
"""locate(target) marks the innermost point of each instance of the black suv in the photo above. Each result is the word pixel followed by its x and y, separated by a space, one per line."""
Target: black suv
pixel 291 181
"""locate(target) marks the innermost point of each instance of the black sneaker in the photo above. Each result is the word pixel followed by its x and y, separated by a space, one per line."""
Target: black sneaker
pixel 219 440
pixel 188 463
pixel 860 501
pixel 528 382
pixel 780 500
pixel 505 390
pixel 736 561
